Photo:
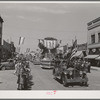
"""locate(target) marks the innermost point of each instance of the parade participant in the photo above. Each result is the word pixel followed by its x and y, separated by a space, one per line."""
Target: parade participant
pixel 89 66
pixel 57 64
pixel 83 65
pixel 27 68
pixel 24 73
pixel 19 74
pixel 79 63
pixel 16 64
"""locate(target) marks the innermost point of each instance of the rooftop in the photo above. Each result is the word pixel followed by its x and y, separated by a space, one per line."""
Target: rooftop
pixel 93 21
pixel 50 38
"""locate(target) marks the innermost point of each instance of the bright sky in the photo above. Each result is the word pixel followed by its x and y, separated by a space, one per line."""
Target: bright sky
pixel 36 21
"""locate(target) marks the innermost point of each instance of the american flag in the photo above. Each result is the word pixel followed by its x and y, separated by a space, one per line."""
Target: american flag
pixel 73 49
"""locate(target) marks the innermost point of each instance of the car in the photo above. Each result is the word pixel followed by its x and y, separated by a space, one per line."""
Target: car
pixel 70 76
pixel 8 65
pixel 36 62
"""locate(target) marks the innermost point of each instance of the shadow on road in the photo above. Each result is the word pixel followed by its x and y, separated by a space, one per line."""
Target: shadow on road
pixel 1 82
pixel 58 80
pixel 30 83
pixel 72 84
pixel 46 68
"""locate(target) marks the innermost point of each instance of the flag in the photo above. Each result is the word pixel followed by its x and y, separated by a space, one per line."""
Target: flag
pixel 73 49
pixel 27 50
pixel 21 40
pixel 65 48
pixel 60 41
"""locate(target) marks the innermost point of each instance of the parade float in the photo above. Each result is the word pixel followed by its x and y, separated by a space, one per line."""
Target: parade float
pixel 48 48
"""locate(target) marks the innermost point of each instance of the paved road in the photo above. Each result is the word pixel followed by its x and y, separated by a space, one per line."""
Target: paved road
pixel 43 80
pixel 8 80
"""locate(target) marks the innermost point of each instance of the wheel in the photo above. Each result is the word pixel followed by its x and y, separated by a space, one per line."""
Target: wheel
pixel 86 84
pixel 3 68
pixel 19 87
pixel 81 84
pixel 64 81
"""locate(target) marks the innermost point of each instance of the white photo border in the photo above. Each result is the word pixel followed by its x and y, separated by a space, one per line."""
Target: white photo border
pixel 49 94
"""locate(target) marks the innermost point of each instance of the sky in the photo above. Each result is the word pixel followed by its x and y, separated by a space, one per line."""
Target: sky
pixel 34 21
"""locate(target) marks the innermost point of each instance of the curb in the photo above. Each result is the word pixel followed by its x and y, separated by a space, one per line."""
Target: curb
pixel 95 68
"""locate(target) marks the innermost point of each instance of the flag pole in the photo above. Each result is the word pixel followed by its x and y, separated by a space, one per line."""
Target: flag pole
pixel 75 56
pixel 19 45
pixel 21 42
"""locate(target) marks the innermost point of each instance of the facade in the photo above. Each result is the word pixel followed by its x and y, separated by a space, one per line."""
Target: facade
pixel 93 39
pixel 1 25
pixel 62 49
pixel 8 50
pixel 80 47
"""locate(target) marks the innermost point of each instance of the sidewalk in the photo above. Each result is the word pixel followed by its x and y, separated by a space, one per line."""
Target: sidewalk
pixel 95 68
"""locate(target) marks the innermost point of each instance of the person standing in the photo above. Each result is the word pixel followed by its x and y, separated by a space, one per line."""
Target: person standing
pixel 89 67
pixel 19 74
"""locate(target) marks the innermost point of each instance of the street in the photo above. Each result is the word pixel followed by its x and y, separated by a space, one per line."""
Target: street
pixel 43 80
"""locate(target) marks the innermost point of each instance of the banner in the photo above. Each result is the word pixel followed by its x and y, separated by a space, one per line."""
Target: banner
pixel 21 40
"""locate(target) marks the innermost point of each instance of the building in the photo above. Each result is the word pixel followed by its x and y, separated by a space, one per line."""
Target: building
pixel 81 50
pixel 12 49
pixel 82 47
pixel 93 40
pixel 8 50
pixel 1 25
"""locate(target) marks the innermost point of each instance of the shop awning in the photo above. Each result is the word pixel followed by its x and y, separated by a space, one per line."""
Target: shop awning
pixel 98 58
pixel 91 56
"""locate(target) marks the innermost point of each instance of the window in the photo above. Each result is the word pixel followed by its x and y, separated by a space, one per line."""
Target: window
pixel 98 37
pixel 92 39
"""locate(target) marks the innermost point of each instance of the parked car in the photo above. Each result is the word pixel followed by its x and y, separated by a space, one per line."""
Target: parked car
pixel 8 65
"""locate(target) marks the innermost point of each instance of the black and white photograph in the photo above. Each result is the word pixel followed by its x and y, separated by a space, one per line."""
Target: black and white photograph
pixel 49 46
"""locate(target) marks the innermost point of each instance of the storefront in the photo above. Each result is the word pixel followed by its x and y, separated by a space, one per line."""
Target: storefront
pixel 93 41
pixel 92 59
pixel 80 54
